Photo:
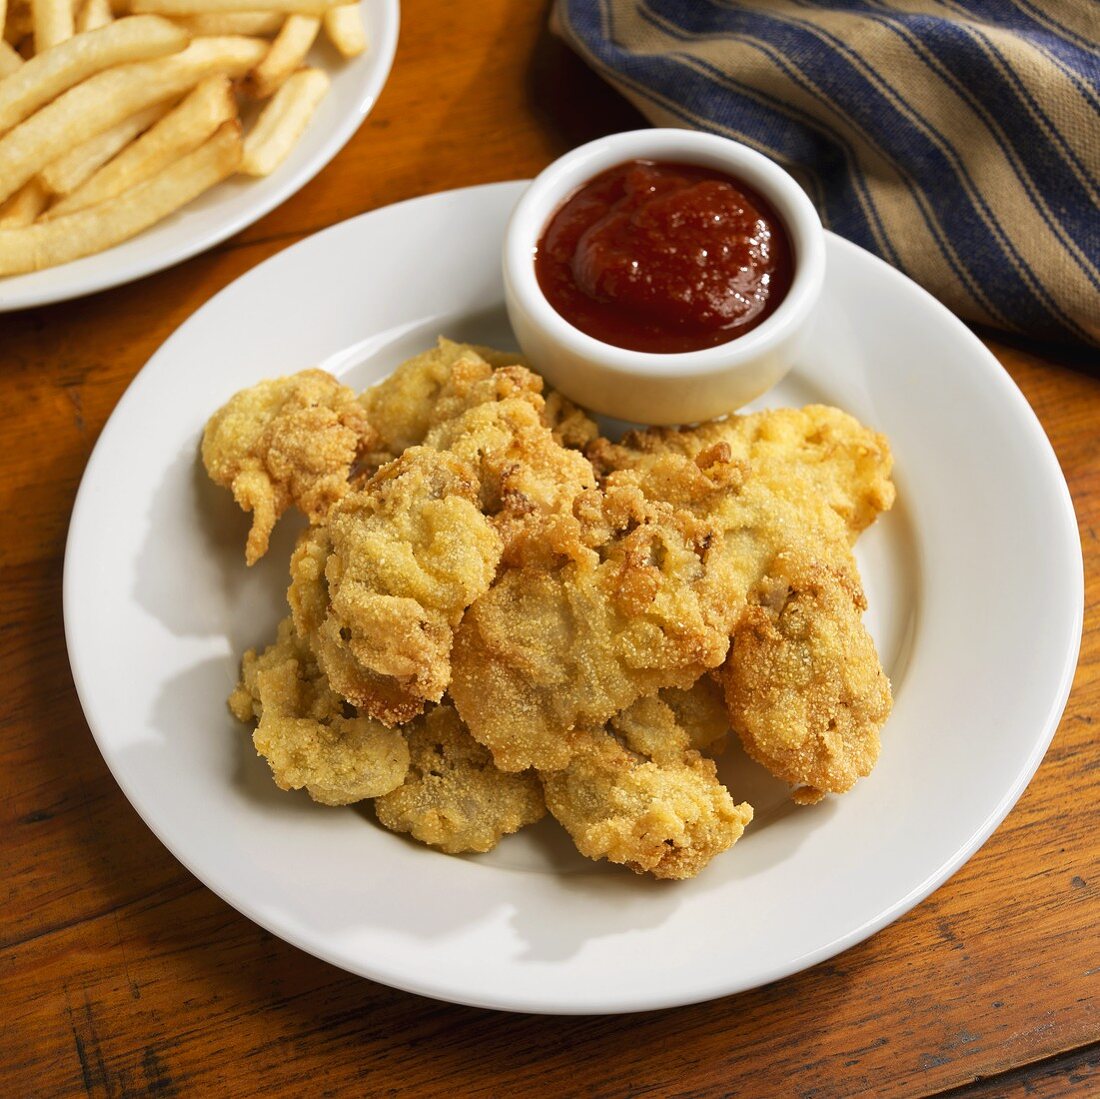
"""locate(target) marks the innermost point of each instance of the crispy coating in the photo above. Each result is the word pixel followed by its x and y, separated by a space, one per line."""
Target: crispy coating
pixel 571 425
pixel 286 441
pixel 437 385
pixel 496 421
pixel 487 409
pixel 403 407
pixel 813 460
pixel 637 794
pixel 378 589
pixel 557 648
pixel 599 613
pixel 701 712
pixel 803 683
pixel 305 731
pixel 810 710
pixel 659 572
pixel 454 798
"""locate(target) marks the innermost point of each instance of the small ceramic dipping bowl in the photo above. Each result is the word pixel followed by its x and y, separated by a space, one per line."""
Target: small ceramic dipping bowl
pixel 648 387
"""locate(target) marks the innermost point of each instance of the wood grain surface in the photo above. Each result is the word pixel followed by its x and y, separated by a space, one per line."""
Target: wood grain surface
pixel 121 975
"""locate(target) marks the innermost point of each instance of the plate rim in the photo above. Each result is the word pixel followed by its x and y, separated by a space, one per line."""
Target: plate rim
pixel 382 47
pixel 719 986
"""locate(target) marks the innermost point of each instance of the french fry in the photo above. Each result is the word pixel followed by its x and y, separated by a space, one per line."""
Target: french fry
pixel 10 60
pixel 94 14
pixel 24 206
pixel 344 27
pixel 45 77
pixel 198 7
pixel 96 228
pixel 179 132
pixel 53 23
pixel 233 22
pixel 109 97
pixel 286 55
pixel 71 169
pixel 20 21
pixel 282 121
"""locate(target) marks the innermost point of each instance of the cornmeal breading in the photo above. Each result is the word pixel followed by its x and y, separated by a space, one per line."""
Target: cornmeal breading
pixel 287 441
pixel 308 734
pixel 636 793
pixel 378 589
pixel 804 687
pixel 454 798
pixel 496 611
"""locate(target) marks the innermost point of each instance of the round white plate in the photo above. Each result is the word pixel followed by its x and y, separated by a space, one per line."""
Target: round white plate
pixel 238 202
pixel 974 581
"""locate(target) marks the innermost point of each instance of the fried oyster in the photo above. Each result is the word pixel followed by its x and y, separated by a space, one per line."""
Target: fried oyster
pixel 286 441
pixel 377 589
pixel 308 734
pixel 453 797
pixel 804 687
pixel 496 611
pixel 636 793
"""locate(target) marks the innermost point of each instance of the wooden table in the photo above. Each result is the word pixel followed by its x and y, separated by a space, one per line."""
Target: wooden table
pixel 121 975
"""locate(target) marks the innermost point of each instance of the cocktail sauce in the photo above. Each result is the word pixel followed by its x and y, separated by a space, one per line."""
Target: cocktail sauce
pixel 664 257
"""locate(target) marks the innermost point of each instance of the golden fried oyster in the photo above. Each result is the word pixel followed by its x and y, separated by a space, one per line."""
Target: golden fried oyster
pixel 310 737
pixel 803 683
pixel 378 589
pixel 454 798
pixel 286 441
pixel 637 794
pixel 552 651
pixel 441 383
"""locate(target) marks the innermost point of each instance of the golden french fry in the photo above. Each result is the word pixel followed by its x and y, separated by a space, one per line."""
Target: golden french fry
pixel 286 55
pixel 9 58
pixel 20 21
pixel 233 22
pixel 109 97
pixel 282 121
pixel 53 23
pixel 344 27
pixel 177 133
pixel 43 78
pixel 71 169
pixel 24 206
pixel 94 14
pixel 197 7
pixel 96 228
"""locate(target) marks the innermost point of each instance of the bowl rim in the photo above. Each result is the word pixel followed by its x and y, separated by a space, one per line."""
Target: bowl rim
pixel 560 179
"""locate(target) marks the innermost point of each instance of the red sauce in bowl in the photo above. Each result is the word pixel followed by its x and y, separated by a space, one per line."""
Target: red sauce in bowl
pixel 664 257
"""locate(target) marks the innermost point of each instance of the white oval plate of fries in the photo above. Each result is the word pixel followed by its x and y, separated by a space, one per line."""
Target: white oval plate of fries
pixel 973 580
pixel 130 141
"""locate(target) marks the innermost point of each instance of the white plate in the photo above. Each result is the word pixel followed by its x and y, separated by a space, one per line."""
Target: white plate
pixel 974 580
pixel 237 203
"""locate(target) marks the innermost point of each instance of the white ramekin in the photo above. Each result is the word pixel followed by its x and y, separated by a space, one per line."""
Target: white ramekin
pixel 642 386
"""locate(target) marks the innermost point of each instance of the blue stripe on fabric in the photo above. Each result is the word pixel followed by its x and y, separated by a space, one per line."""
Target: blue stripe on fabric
pixel 1081 68
pixel 1067 43
pixel 604 60
pixel 815 148
pixel 770 128
pixel 1043 187
pixel 746 25
pixel 822 57
pixel 1010 79
pixel 968 188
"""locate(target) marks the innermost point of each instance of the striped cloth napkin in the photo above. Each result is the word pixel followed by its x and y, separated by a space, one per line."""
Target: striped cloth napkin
pixel 957 139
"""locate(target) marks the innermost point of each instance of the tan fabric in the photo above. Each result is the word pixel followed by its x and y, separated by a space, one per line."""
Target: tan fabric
pixel 960 142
